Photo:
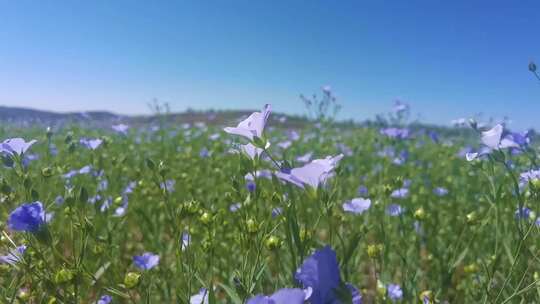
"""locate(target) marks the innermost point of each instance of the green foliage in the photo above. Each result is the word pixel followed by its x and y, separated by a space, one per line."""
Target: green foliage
pixel 462 247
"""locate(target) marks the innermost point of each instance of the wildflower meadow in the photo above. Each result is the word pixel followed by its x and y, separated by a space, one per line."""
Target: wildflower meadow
pixel 258 209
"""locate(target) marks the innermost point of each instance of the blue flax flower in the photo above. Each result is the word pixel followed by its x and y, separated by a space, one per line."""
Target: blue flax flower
pixel 27 217
pixel 146 261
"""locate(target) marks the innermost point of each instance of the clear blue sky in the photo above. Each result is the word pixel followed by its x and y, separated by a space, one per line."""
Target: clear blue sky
pixel 448 59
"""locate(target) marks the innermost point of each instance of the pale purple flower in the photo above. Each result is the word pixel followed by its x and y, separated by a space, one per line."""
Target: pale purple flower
pixel 91 144
pixel 327 89
pixel 344 149
pixel 312 174
pixel 440 191
pixel 102 185
pixel 85 170
pixel 200 298
pixel 14 256
pixel 395 133
pixel 121 128
pixel 235 207
pixel 357 205
pixel 394 292
pixel 492 138
pixel 282 296
pixel 259 174
pixel 59 200
pixel 394 210
pixel 130 187
pixel 122 209
pixel 400 106
pixel 470 156
pixel 105 299
pixel 146 261
pixel 400 193
pixel 28 158
pixel 205 153
pixel 96 198
pixel 168 185
pixel 186 240
pixel 304 158
pixel 284 144
pixel 464 151
pixel 251 151
pixel 528 176
pixel 106 204
pixel 277 212
pixel 293 135
pixel 522 213
pixel 362 190
pixel 251 126
pixel 16 146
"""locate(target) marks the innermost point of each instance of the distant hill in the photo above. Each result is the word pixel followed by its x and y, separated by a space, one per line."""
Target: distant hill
pixel 17 116
pixel 31 115
pixel 25 116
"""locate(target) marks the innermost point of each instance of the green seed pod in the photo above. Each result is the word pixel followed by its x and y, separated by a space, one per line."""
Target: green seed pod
pixel 47 172
pixel 535 184
pixel 24 294
pixel 420 214
pixel 131 279
pixel 305 234
pixel 49 133
pixel 63 276
pixel 206 218
pixel 69 137
pixel 471 218
pixel 381 289
pixel 273 243
pixel 374 250
pixel 162 169
pixel 471 268
pixel 252 226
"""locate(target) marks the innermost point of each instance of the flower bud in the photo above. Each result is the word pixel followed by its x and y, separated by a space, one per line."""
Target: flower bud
pixel 532 67
pixel 426 297
pixel 206 218
pixel 252 226
pixel 373 250
pixel 162 169
pixel 63 276
pixel 49 132
pixel 473 123
pixel 420 214
pixel 471 268
pixel 273 243
pixel 23 294
pixel 47 172
pixel 381 289
pixel 305 234
pixel 190 208
pixel 535 184
pixel 471 218
pixel 131 279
